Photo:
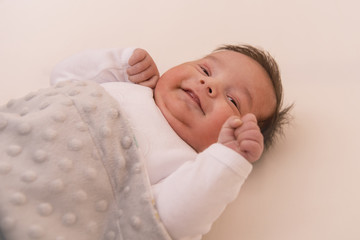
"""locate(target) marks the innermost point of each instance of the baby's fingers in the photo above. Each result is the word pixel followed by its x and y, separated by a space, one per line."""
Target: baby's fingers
pixel 247 126
pixel 251 144
pixel 253 135
pixel 138 55
pixel 144 75
pixel 251 150
pixel 139 61
pixel 151 83
pixel 249 117
pixel 249 123
pixel 233 122
pixel 227 131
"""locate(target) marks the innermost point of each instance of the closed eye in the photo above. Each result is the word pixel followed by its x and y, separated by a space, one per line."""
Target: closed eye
pixel 233 102
pixel 205 71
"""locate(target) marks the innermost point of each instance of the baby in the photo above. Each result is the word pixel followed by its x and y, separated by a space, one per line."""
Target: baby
pixel 199 126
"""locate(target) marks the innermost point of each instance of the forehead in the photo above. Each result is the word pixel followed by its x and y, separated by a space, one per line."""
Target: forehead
pixel 237 67
pixel 232 59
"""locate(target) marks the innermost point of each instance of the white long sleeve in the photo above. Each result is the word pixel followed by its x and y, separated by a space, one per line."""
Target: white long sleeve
pixel 194 196
pixel 191 190
pixel 98 65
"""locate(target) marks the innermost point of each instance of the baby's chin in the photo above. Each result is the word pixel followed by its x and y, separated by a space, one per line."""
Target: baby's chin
pixel 199 144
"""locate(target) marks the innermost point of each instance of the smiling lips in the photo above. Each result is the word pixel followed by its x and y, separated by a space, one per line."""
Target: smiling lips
pixel 194 97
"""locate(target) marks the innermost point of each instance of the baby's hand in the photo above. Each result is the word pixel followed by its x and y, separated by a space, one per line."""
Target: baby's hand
pixel 243 136
pixel 143 69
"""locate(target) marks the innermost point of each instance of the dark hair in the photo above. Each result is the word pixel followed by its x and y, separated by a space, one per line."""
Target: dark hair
pixel 272 126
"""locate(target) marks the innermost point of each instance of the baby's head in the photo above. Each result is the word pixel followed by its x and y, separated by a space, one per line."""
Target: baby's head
pixel 197 97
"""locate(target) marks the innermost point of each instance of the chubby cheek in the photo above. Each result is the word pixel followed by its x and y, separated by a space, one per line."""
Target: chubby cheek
pixel 215 124
pixel 220 114
pixel 209 130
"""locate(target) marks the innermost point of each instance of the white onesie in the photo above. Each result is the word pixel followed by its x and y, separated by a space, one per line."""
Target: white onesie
pixel 191 189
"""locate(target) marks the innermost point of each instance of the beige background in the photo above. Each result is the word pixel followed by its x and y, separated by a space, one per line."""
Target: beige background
pixel 305 188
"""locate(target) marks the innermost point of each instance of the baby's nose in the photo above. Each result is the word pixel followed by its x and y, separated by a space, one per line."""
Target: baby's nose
pixel 210 89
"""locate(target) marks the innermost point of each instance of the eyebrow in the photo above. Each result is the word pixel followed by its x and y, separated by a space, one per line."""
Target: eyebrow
pixel 212 58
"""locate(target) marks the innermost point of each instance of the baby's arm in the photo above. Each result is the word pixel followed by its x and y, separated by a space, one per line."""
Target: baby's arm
pixel 108 65
pixel 194 196
pixel 243 136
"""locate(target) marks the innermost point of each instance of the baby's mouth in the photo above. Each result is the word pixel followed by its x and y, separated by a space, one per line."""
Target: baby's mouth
pixel 195 98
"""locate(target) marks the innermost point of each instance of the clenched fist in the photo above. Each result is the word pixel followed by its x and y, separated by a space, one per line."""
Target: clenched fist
pixel 243 135
pixel 143 69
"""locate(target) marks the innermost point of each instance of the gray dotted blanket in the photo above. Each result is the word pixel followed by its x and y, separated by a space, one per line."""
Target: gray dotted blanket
pixel 70 169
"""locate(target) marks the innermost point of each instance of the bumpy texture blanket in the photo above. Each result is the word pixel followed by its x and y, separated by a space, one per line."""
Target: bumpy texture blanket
pixel 70 169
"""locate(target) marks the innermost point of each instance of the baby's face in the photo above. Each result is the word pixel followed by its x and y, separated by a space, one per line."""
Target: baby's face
pixel 197 97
